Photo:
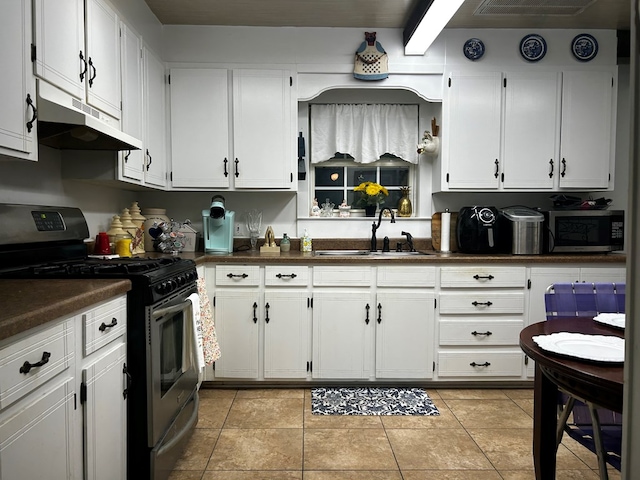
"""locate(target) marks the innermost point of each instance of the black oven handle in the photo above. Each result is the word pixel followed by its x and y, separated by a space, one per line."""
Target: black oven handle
pixel 161 312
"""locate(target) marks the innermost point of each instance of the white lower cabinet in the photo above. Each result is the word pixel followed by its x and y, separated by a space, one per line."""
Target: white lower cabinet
pixel 343 328
pixel 236 307
pixel 62 403
pixel 481 313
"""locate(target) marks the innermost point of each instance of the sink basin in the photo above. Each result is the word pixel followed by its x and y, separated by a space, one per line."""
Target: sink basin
pixel 366 253
pixel 398 254
pixel 341 253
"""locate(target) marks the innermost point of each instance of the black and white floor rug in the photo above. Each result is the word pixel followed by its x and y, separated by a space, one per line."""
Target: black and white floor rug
pixel 371 401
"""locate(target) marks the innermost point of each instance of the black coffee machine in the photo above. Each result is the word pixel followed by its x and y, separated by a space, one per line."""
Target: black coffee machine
pixel 479 230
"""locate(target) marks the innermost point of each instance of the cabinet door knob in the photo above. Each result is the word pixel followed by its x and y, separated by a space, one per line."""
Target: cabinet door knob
pixel 26 366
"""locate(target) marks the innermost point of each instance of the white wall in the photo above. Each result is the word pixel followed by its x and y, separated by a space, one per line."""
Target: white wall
pixel 41 183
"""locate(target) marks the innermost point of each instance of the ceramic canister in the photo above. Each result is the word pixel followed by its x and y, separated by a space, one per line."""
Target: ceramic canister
pixel 154 217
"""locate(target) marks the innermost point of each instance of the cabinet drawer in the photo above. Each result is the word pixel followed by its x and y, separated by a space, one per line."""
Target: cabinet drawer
pixel 103 324
pixel 403 276
pixel 480 333
pixel 236 275
pixel 480 363
pixel 331 276
pixel 482 277
pixel 56 341
pixel 481 302
pixel 284 275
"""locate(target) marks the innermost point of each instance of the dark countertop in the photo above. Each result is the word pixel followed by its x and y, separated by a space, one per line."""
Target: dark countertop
pixel 27 304
pixel 295 256
pixel 300 258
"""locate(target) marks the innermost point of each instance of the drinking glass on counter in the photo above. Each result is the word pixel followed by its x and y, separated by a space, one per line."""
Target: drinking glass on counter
pixel 254 222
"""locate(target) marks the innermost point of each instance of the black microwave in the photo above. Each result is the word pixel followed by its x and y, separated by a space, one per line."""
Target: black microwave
pixel 575 231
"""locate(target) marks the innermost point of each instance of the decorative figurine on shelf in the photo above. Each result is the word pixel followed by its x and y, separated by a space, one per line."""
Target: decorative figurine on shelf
pixel 269 237
pixel 371 62
pixel 315 209
pixel 344 209
pixel 327 209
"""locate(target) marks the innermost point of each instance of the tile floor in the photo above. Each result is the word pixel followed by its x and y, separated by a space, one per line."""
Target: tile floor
pixel 268 434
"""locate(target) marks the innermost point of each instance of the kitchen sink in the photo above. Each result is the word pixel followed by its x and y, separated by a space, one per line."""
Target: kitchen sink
pixel 399 254
pixel 341 253
pixel 367 253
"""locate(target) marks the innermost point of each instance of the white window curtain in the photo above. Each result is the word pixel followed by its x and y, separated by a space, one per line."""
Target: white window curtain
pixel 365 132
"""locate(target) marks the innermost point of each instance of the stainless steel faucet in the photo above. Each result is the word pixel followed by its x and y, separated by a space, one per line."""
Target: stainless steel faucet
pixel 374 227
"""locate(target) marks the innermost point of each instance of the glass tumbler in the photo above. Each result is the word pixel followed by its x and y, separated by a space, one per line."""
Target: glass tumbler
pixel 254 222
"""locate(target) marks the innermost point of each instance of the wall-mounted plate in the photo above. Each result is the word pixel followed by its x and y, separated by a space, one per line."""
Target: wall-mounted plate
pixel 473 49
pixel 533 48
pixel 584 47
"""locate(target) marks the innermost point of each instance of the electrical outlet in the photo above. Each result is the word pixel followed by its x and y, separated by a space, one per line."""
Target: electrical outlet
pixel 237 230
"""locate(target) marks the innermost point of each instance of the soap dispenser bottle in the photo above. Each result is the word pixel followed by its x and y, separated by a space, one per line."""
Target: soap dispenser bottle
pixel 306 242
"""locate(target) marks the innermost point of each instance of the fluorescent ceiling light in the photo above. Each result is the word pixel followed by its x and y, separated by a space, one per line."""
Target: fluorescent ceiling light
pixel 434 19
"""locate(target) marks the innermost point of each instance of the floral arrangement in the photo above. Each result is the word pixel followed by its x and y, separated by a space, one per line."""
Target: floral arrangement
pixel 371 194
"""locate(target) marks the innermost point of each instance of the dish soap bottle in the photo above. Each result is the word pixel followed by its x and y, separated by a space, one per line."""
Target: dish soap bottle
pixel 306 242
pixel 285 243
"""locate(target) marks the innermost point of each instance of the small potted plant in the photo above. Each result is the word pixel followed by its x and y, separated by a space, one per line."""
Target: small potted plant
pixel 371 195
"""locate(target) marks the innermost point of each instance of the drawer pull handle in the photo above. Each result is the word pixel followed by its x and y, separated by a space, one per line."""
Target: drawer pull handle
pixel 255 306
pixel 291 275
pixel 474 364
pixel 488 277
pixel 366 320
pixel 266 313
pixel 232 275
pixel 475 304
pixel 379 313
pixel 104 326
pixel 26 366
pixel 487 333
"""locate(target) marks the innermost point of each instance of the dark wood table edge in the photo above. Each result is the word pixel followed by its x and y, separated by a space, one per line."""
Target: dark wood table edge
pixel 592 381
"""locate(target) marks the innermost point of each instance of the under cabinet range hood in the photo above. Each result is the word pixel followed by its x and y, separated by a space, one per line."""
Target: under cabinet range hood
pixel 66 123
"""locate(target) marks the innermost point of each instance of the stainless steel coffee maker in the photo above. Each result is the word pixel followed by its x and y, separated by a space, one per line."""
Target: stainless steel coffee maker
pixel 218 224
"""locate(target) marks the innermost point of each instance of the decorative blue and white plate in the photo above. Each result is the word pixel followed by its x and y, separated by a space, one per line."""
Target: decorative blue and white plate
pixel 533 48
pixel 584 47
pixel 473 48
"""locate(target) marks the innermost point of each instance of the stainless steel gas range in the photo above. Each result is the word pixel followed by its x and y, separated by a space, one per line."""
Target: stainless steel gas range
pixel 162 397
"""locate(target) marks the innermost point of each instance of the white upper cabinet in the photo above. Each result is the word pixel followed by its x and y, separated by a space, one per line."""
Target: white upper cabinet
pixel 103 48
pixel 471 131
pixel 588 140
pixel 535 131
pixel 531 134
pixel 18 92
pixel 155 147
pixel 87 67
pixel 132 162
pixel 263 132
pixel 200 128
pixel 232 129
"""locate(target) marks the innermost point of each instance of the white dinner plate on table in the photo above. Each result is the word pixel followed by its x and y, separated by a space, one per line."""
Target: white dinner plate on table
pixel 613 319
pixel 597 348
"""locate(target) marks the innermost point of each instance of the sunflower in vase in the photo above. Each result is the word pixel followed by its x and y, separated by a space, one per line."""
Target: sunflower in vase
pixel 371 194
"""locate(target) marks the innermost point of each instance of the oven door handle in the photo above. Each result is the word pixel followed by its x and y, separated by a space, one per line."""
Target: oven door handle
pixel 168 310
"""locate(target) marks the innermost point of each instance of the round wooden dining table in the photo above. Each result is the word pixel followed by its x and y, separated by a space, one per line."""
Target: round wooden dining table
pixel 597 382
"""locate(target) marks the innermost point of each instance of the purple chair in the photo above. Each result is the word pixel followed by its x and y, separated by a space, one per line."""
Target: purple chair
pixel 596 428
